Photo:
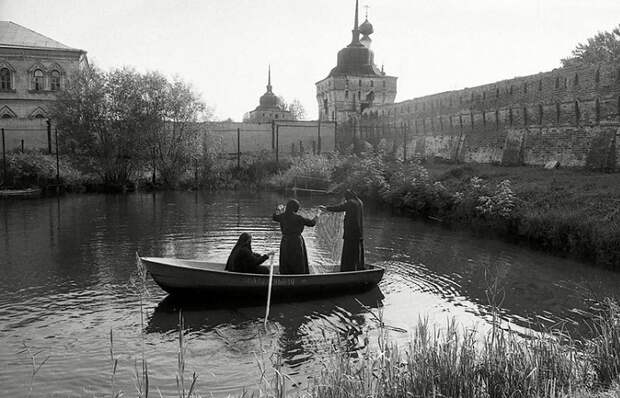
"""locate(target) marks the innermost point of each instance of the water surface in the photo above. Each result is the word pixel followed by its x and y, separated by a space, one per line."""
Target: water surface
pixel 68 279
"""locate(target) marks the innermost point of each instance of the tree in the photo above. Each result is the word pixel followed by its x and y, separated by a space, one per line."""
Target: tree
pixel 604 47
pixel 121 121
pixel 99 117
pixel 295 107
pixel 176 143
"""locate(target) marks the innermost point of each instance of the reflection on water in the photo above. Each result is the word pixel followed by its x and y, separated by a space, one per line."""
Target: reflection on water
pixel 66 265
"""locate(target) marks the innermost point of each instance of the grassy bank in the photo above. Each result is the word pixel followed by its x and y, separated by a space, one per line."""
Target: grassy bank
pixel 568 212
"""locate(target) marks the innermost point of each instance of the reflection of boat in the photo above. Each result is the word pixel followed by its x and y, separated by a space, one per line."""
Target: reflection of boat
pixel 192 277
pixel 209 315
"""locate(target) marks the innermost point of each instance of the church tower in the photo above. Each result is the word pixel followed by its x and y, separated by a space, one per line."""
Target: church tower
pixel 269 107
pixel 355 83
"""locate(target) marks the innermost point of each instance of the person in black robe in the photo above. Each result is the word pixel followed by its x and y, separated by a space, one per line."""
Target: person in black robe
pixel 293 254
pixel 353 245
pixel 243 259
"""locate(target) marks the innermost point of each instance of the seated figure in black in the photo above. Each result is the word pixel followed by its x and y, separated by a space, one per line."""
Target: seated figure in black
pixel 243 259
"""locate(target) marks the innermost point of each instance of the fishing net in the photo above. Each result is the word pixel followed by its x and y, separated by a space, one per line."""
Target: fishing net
pixel 329 231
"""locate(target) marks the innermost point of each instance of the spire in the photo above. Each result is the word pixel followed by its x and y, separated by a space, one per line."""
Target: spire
pixel 269 79
pixel 355 31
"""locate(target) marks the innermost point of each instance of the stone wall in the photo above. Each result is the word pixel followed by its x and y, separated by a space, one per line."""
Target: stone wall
pixel 290 137
pixel 569 114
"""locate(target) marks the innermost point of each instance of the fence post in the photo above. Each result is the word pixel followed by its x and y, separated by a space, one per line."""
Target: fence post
pixel 49 136
pixel 313 147
pixel 196 173
pixel 318 151
pixel 3 157
pixel 238 147
pixel 57 160
pixel 273 134
pixel 404 142
pixel 301 148
pixel 277 145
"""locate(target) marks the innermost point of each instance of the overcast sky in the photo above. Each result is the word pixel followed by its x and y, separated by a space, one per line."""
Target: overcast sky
pixel 223 47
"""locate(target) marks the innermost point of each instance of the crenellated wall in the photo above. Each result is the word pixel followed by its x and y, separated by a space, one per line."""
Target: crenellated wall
pixel 569 114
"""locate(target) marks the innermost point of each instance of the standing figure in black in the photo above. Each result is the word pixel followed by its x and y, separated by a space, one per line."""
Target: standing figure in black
pixel 243 259
pixel 293 255
pixel 353 245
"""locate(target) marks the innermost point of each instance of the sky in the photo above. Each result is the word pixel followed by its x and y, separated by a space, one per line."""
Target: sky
pixel 223 47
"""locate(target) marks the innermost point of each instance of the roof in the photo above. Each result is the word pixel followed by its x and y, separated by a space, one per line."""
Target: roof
pixel 14 35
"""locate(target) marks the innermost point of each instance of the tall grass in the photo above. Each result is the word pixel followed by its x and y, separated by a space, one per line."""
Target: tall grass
pixel 461 363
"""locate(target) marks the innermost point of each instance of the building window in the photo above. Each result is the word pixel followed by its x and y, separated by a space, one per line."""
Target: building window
pixel 557 112
pixel 359 95
pixel 511 89
pixel 484 118
pixel 577 113
pixel 372 83
pixel 540 85
pixel 55 80
pixel 525 88
pixel 497 117
pixel 346 94
pixel 384 84
pixel 576 79
pixel 597 110
pixel 497 92
pixel 37 80
pixel 360 82
pixel 276 115
pixel 557 82
pixel 484 95
pixel 510 116
pixel 525 118
pixel 5 79
pixel 540 114
pixel 597 76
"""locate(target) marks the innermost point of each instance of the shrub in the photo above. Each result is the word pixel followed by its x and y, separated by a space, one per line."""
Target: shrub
pixel 33 168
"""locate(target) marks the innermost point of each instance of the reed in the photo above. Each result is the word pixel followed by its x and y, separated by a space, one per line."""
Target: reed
pixel 461 363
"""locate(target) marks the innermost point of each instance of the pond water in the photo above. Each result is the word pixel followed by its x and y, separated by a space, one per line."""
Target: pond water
pixel 68 270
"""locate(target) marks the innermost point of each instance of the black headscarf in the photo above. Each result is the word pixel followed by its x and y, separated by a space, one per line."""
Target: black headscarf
pixel 244 241
pixel 292 206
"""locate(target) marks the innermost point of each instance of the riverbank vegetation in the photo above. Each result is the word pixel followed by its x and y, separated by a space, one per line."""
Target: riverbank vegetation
pixel 462 363
pixel 569 212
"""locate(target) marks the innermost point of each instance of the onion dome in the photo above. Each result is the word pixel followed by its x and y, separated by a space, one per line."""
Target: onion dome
pixel 269 100
pixel 366 28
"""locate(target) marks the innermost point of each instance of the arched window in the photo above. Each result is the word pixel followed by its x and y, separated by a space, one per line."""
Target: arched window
pixel 5 79
pixel 471 118
pixel 484 118
pixel 525 88
pixel 55 80
pixel 510 116
pixel 359 95
pixel 557 82
pixel 37 80
pixel 346 94
pixel 576 79
pixel 597 76
pixel 372 83
pixel 497 92
pixel 557 112
pixel 384 84
pixel 511 89
pixel 540 85
pixel 360 82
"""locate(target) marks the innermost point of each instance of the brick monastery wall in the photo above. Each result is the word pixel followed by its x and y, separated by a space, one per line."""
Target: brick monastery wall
pixel 571 115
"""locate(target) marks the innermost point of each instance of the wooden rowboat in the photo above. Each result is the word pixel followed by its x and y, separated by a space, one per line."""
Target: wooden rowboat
pixel 193 277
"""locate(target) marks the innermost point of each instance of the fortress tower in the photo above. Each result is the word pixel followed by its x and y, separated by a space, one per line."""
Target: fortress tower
pixel 355 83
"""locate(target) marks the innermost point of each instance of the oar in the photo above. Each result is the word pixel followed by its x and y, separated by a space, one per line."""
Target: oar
pixel 269 290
